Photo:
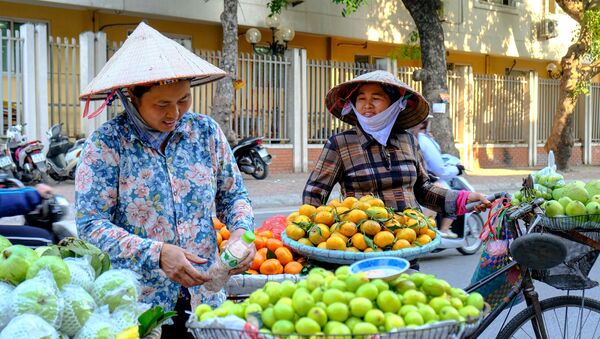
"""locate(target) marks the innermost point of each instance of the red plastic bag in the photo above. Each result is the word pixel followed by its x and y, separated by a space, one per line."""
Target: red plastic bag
pixel 275 224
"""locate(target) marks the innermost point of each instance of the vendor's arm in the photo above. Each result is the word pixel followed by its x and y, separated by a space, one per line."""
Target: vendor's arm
pixel 323 178
pixel 433 159
pixel 96 192
pixel 18 201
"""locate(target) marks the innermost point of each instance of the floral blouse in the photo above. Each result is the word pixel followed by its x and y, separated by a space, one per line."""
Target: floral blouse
pixel 131 199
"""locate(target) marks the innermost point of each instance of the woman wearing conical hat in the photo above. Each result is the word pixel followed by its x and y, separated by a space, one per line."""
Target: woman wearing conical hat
pixel 379 156
pixel 148 178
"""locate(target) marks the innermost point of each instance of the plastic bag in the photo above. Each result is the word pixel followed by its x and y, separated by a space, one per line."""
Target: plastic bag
pixel 127 315
pixel 548 176
pixel 39 296
pixel 97 326
pixel 82 273
pixel 29 326
pixel 274 224
pixel 115 288
pixel 79 306
pixel 5 291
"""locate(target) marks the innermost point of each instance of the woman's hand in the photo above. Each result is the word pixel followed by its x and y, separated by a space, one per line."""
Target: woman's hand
pixel 245 264
pixel 485 203
pixel 44 190
pixel 175 262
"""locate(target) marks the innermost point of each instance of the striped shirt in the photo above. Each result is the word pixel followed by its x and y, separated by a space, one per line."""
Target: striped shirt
pixel 395 173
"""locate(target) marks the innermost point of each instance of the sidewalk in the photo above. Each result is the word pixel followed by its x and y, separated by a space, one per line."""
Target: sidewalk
pixel 285 190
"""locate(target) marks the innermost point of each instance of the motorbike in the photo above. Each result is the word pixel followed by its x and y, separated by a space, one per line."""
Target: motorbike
pixel 27 155
pixel 7 165
pixel 252 157
pixel 62 155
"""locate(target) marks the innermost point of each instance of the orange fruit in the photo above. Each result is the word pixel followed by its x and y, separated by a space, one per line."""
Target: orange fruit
pixel 368 249
pixel 260 242
pixel 400 244
pixel 217 224
pixel 431 221
pixel 376 202
pixel 271 266
pixel 219 239
pixel 307 210
pixel 302 219
pixel 336 243
pixel 292 216
pixel 273 244
pixel 349 201
pixel 423 239
pixel 366 198
pixel 407 234
pixel 352 249
pixel 348 228
pixel 251 271
pixel 322 245
pixel 223 245
pixel 339 235
pixel 324 208
pixel 305 241
pixel 355 216
pixel 361 205
pixel 266 234
pixel 294 231
pixel 383 239
pixel 378 212
pixel 259 258
pixel 370 227
pixel 431 233
pixel 293 267
pixel 335 203
pixel 358 241
pixel 224 233
pixel 318 233
pixel 284 255
pixel 324 217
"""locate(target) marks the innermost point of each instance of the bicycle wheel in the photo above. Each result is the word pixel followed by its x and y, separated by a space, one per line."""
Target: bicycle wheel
pixel 473 226
pixel 564 317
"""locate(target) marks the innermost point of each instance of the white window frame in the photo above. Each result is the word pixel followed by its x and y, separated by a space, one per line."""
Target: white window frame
pixel 491 5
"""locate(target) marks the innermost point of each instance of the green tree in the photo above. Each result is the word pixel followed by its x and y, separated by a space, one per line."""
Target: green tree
pixel 579 65
pixel 425 14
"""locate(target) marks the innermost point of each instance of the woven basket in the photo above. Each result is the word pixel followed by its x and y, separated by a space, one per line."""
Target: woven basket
pixel 243 284
pixel 344 257
pixel 573 223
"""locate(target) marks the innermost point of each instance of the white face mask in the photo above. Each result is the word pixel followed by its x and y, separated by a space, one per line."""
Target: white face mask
pixel 380 125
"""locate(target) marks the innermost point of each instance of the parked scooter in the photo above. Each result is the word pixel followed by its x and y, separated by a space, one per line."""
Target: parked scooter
pixel 252 157
pixel 62 155
pixel 27 156
pixel 7 165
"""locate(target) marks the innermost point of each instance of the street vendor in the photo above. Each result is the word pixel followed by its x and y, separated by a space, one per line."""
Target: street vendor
pixel 379 155
pixel 148 178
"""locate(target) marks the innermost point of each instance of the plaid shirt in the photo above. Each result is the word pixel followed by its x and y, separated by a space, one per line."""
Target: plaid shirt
pixel 395 173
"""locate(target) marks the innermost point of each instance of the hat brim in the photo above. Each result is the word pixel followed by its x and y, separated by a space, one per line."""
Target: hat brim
pixel 416 111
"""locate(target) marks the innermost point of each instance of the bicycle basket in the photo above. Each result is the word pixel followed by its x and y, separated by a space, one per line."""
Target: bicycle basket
pixel 589 222
pixel 573 273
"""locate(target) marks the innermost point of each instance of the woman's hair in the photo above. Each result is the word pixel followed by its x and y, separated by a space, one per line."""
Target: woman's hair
pixel 139 91
pixel 390 90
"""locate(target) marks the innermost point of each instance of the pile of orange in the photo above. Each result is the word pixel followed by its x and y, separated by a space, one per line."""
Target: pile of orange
pixel 271 257
pixel 359 225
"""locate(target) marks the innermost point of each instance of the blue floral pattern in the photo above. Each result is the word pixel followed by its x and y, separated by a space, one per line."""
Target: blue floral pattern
pixel 131 199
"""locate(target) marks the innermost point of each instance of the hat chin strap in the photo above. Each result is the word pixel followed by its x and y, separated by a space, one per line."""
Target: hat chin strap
pixel 99 109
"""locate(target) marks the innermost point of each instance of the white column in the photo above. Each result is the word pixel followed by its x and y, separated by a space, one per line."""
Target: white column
pixel 391 65
pixel 27 32
pixel 587 131
pixel 92 56
pixel 532 129
pixel 41 76
pixel 296 107
pixel 466 75
pixel 304 108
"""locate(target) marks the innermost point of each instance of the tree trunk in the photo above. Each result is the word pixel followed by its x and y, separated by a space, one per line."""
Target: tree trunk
pixel 223 104
pixel 433 57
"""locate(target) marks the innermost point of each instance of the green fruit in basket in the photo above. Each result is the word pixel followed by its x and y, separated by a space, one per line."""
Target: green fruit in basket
pixel 456 303
pixel 402 285
pixel 283 327
pixel 301 284
pixel 375 317
pixel 475 299
pixel 221 312
pixel 338 284
pixel 307 326
pixel 459 293
pixel 433 287
pixel 595 198
pixel 284 312
pixel 575 208
pixel 469 311
pixel 393 321
pixel 268 317
pixel 359 306
pixel 239 311
pixel 331 296
pixel 427 312
pixel 342 272
pixel 439 302
pixel 413 318
pixel 338 311
pixel 336 328
pixel 319 315
pixel 14 263
pixel 285 300
pixel 352 321
pixel 302 302
pixel 354 281
pixel 273 290
pixel 349 296
pixel 317 294
pixel 388 301
pixel 252 308
pixel 381 285
pixel 368 290
pixel 593 210
pixel 207 315
pixel 576 192
pixel 413 297
pixel 554 208
pixel 260 297
pixel 364 328
pixel 418 278
pixel 5 243
pixel 449 313
pixel 314 281
pixel 406 309
pixel 287 288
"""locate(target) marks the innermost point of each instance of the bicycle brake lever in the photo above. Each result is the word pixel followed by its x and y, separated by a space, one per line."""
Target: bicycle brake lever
pixel 526 208
pixel 471 206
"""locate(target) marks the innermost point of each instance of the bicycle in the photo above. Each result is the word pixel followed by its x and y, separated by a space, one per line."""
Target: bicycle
pixel 540 317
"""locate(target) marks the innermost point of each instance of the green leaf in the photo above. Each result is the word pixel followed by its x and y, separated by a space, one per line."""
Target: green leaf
pixel 151 319
pixel 271 254
pixel 369 242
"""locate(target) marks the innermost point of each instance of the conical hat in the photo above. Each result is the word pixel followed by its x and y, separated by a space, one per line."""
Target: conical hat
pixel 148 57
pixel 415 112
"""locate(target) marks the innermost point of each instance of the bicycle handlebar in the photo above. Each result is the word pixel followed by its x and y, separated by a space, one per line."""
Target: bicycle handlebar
pixel 526 208
pixel 471 206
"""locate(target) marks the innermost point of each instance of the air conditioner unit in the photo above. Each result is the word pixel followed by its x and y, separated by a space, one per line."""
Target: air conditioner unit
pixel 548 28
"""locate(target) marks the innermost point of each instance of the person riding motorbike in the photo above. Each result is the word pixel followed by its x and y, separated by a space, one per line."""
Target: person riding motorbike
pixel 21 201
pixel 440 166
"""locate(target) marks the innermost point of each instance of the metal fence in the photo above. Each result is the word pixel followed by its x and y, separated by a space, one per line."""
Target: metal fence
pixel 63 90
pixel 322 75
pixel 548 93
pixel 11 79
pixel 501 106
pixel 595 93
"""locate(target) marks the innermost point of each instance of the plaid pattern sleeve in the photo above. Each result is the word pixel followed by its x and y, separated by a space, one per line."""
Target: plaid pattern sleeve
pixel 325 175
pixel 395 173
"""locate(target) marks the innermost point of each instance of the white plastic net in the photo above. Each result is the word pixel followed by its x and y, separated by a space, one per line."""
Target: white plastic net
pixel 82 273
pixel 38 296
pixel 28 326
pixel 79 306
pixel 115 288
pixel 5 291
pixel 98 326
